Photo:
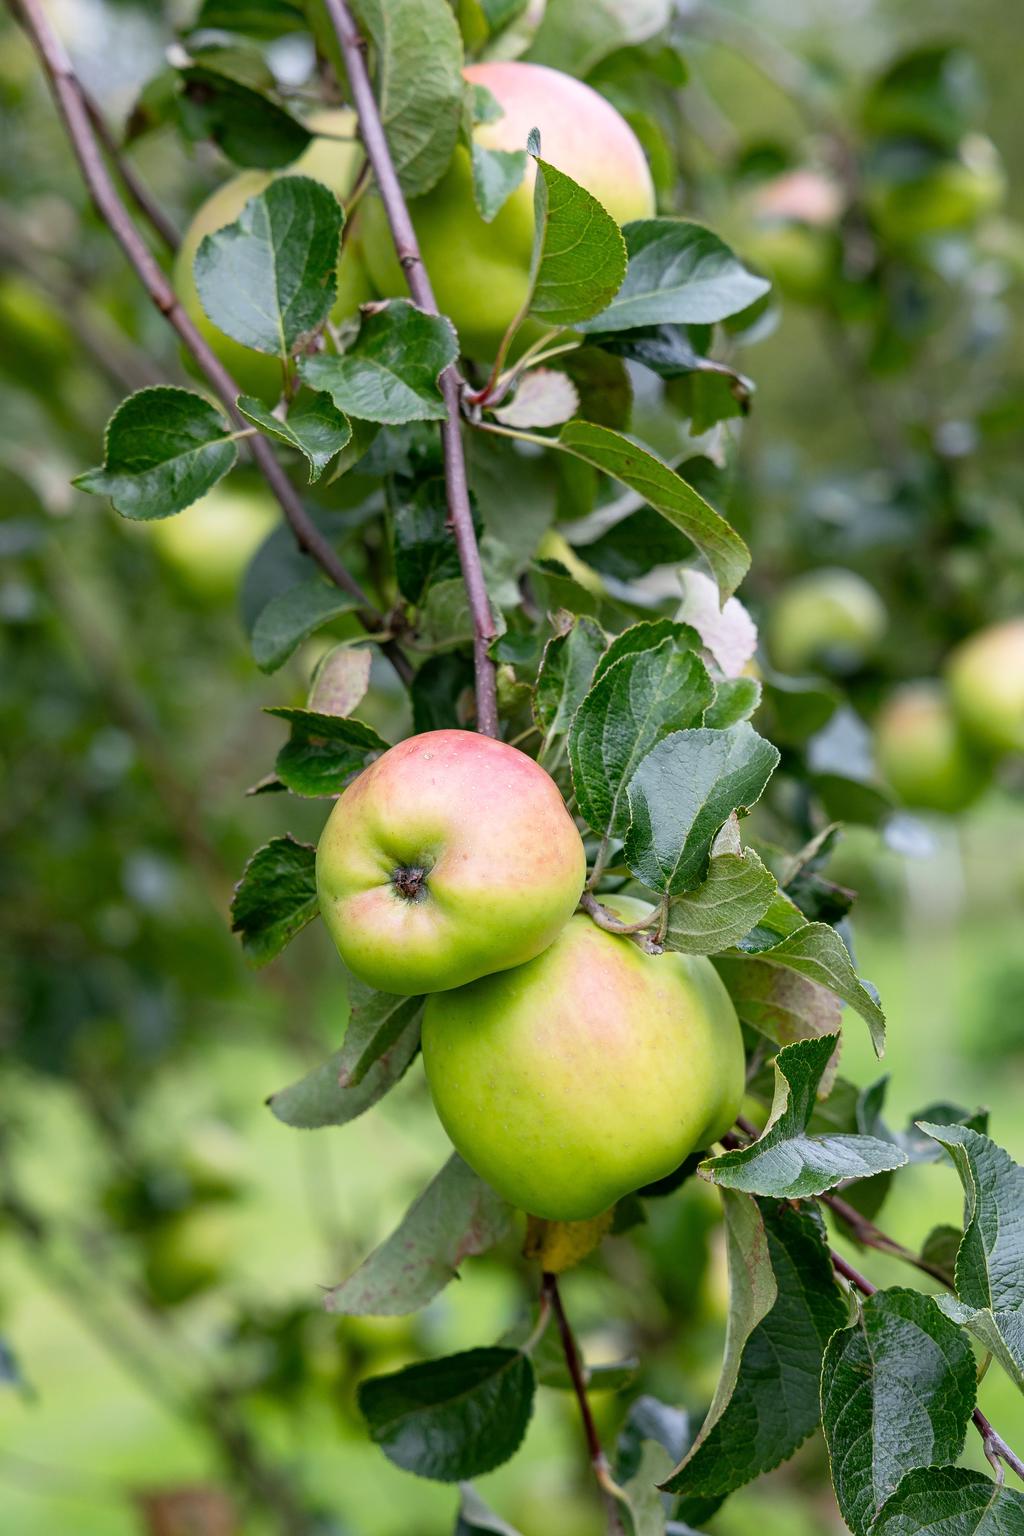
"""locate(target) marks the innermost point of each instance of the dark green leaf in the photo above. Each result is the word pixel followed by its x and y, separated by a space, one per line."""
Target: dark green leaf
pixel 637 702
pixel 951 1501
pixel 717 913
pixel 323 751
pixel 292 617
pixel 375 1021
pixel 163 449
pixel 275 897
pixel 783 1307
pixel 635 545
pixel 254 18
pixel 269 279
pixel 453 1418
pixel 313 425
pixel 456 1217
pixel 897 1392
pixel 566 671
pixel 251 128
pixel 736 699
pixel 679 274
pixel 424 544
pixel 496 175
pixel 649 1419
pixel 719 543
pixel 440 690
pixel 579 258
pixel 389 373
pixel 683 792
pixel 786 1162
pixel 319 1099
pixel 646 636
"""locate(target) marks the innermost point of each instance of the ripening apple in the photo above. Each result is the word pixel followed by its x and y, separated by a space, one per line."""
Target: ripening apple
pixel 588 1072
pixel 794 234
pixel 830 618
pixel 451 856
pixel 922 752
pixel 329 160
pixel 986 682
pixel 479 271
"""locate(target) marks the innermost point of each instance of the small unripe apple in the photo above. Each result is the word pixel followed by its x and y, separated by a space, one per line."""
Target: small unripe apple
pixel 329 160
pixel 451 856
pixel 587 1073
pixel 480 271
pixel 986 682
pixel 829 619
pixel 210 544
pixel 952 194
pixel 922 753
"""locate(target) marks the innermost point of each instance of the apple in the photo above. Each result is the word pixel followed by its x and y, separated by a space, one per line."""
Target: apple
pixel 950 194
pixel 188 1252
pixel 334 163
pixel 986 682
pixel 210 544
pixel 480 271
pixel 451 856
pixel 590 1071
pixel 830 618
pixel 794 232
pixel 922 753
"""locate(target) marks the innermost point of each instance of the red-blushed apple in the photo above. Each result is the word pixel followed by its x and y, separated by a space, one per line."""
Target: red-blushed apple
pixel 451 856
pixel 829 618
pixel 480 271
pixel 335 158
pixel 986 682
pixel 591 1071
pixel 923 754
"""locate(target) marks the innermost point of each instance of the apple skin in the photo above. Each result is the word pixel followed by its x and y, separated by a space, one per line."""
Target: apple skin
pixel 337 166
pixel 480 271
pixel 830 618
pixel 923 755
pixel 504 864
pixel 986 682
pixel 587 1073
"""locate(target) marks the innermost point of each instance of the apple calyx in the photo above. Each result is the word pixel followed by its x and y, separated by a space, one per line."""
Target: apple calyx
pixel 410 882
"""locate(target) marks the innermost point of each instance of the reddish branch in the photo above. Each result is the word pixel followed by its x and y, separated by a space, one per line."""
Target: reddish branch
pixel 407 248
pixel 74 110
pixel 150 210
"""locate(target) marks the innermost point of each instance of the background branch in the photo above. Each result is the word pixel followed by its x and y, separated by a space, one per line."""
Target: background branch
pixel 408 251
pixel 147 206
pixel 71 103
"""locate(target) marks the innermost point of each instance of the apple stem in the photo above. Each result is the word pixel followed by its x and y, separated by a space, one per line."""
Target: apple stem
pixel 80 125
pixel 639 932
pixel 598 1460
pixel 407 249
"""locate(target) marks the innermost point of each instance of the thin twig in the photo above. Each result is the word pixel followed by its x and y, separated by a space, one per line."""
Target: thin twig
pixel 869 1236
pixel 407 249
pixel 150 210
pixel 72 106
pixel 598 1460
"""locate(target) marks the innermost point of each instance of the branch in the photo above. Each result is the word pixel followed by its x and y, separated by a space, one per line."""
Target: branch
pixel 408 252
pixel 598 1461
pixel 71 103
pixel 150 210
pixel 869 1236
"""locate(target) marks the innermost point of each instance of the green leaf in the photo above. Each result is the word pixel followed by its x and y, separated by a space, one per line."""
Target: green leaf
pixel 685 789
pixel 496 175
pixel 897 1393
pixel 269 279
pixel 635 545
pixel 319 1098
pixel 477 1519
pixel 424 544
pixel 646 636
pixel 419 86
pixel 323 751
pixel 275 898
pixel 456 1217
pixel 990 1260
pixel 313 425
pixel 951 1501
pixel 163 449
pixel 717 913
pixel 389 372
pixel 725 552
pixel 637 702
pixel 650 1419
pixel 679 274
pixel 786 1162
pixel 784 1306
pixel 579 257
pixel 780 1004
pixel 566 669
pixel 254 18
pixel 643 1500
pixel 577 34
pixel 375 1021
pixel 292 617
pixel 453 1418
pixel 252 129
pixel 736 699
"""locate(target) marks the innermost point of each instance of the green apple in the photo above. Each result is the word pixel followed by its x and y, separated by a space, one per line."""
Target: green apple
pixel 480 271
pixel 188 1252
pixel 210 544
pixel 802 261
pixel 829 619
pixel 588 1072
pixel 451 856
pixel 950 194
pixel 986 681
pixel 922 753
pixel 329 160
